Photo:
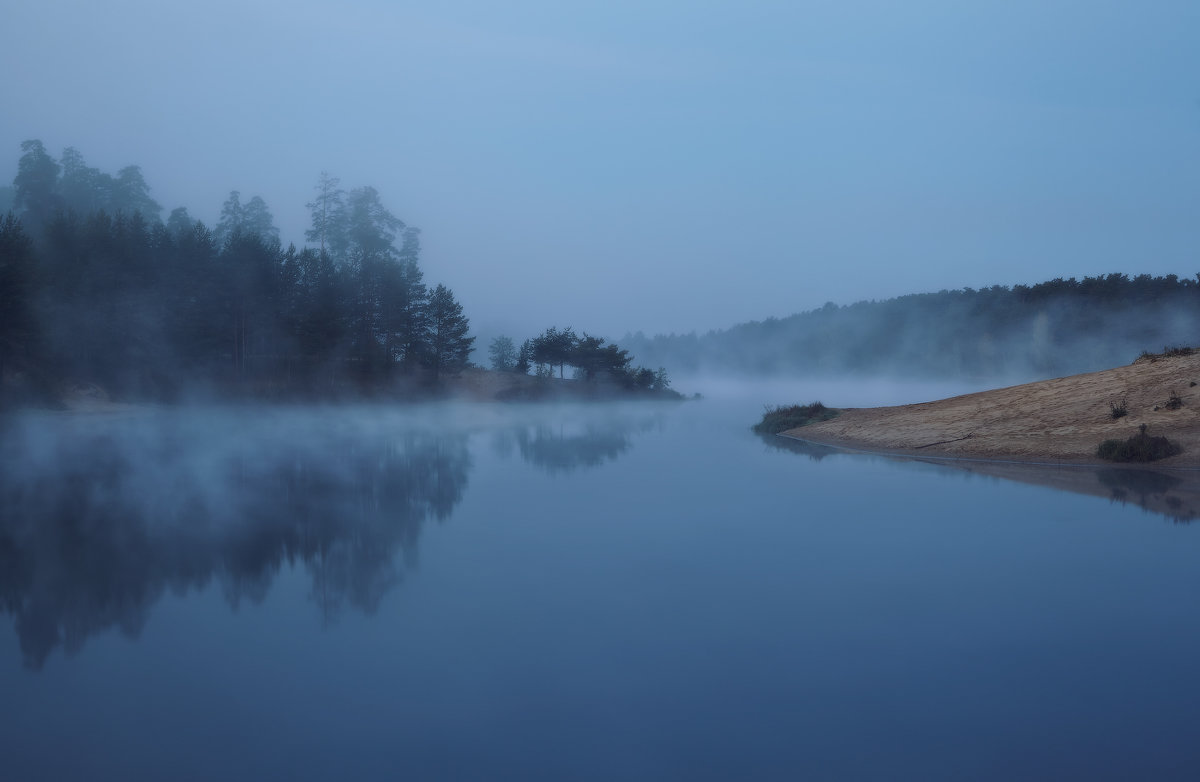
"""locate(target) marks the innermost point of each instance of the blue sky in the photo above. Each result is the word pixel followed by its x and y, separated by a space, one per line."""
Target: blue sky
pixel 652 165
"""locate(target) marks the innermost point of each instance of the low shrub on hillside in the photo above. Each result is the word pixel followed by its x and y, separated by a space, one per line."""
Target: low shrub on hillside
pixel 784 417
pixel 1167 352
pixel 1142 447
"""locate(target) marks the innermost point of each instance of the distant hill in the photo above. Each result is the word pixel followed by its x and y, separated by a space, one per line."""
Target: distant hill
pixel 1053 328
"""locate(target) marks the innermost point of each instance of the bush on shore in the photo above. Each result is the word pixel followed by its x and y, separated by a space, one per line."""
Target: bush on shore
pixel 783 417
pixel 1142 447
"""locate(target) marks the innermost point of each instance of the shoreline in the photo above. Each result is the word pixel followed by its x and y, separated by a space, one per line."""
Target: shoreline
pixel 1162 465
pixel 1053 423
pixel 470 385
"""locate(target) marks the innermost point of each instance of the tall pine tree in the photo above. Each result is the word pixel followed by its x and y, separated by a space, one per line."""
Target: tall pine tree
pixel 449 345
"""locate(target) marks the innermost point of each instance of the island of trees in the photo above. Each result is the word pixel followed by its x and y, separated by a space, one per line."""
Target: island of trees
pixel 96 288
pixel 594 360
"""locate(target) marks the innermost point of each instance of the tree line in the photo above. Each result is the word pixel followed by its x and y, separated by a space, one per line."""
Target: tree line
pixel 594 359
pixel 95 285
pixel 1057 327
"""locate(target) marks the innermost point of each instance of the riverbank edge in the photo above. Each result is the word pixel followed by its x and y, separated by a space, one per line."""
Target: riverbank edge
pixel 1059 421
pixel 918 455
pixel 470 385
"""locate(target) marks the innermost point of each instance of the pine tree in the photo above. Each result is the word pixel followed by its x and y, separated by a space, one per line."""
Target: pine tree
pixel 131 194
pixel 449 345
pixel 36 185
pixel 256 218
pixel 327 211
pixel 230 222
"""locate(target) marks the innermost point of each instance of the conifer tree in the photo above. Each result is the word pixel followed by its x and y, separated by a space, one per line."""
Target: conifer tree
pixel 449 345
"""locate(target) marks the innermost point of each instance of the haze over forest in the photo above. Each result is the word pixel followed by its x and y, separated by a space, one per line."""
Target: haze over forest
pixel 96 286
pixel 650 167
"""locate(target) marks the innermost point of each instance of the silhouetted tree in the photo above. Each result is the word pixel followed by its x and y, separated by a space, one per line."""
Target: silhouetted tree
pixel 179 222
pixel 36 185
pixel 407 304
pixel 84 189
pixel 403 312
pixel 449 345
pixel 554 347
pixel 252 217
pixel 131 194
pixel 524 358
pixel 257 219
pixel 231 218
pixel 327 212
pixel 595 358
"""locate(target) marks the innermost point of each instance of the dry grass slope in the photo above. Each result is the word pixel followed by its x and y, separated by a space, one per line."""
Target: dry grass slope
pixel 1061 420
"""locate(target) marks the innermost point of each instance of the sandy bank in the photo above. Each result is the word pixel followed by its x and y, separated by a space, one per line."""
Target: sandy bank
pixel 1057 421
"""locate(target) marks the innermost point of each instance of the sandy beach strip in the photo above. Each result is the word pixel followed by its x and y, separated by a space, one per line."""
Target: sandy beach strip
pixel 1059 421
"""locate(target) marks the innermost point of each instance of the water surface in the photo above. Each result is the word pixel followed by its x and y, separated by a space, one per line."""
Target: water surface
pixel 626 592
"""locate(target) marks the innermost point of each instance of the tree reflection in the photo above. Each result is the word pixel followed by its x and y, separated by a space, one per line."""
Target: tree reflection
pixel 814 451
pixel 103 515
pixel 1167 494
pixel 1175 495
pixel 564 447
pixel 96 527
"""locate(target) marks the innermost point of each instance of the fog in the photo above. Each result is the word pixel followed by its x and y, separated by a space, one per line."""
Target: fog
pixel 995 336
pixel 263 514
pixel 108 514
pixel 652 166
pixel 640 590
pixel 105 514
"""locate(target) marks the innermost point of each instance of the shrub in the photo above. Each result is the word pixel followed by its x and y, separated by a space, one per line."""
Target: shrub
pixel 1142 447
pixel 1119 410
pixel 1168 352
pixel 781 418
pixel 1174 401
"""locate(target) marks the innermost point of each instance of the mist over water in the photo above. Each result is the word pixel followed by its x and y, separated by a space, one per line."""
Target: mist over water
pixel 106 513
pixel 642 591
pixel 298 223
pixel 834 392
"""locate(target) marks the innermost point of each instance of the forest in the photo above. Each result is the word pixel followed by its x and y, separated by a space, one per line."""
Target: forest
pixel 1059 327
pixel 97 289
pixel 95 286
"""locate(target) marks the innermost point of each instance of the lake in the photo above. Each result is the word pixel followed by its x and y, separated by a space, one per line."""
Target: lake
pixel 604 592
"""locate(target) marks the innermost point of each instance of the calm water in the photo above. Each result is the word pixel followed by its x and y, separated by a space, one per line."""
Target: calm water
pixel 570 593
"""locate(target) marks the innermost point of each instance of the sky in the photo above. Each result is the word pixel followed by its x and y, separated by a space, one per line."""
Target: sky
pixel 659 166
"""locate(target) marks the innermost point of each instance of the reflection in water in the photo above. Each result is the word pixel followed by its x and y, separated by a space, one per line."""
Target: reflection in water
pixel 100 519
pixel 102 515
pixel 563 447
pixel 814 451
pixel 556 449
pixel 1175 494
